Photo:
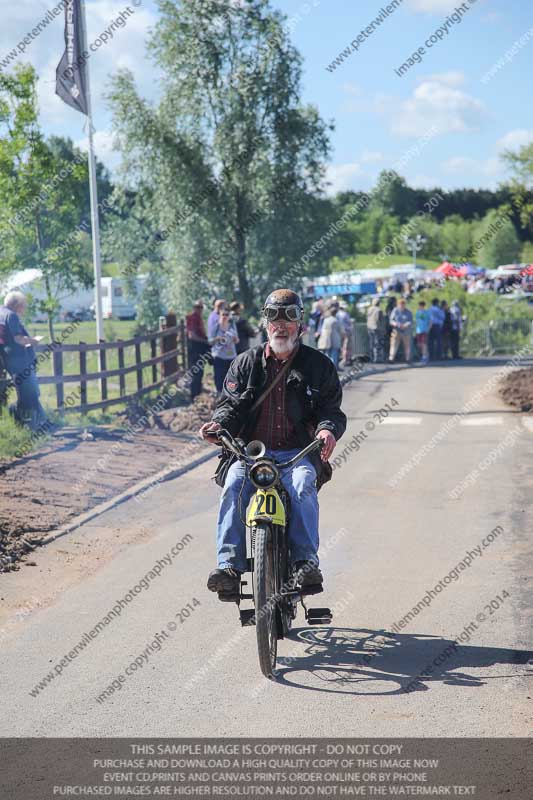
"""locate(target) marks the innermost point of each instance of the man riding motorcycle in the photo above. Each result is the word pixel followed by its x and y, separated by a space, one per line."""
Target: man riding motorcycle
pixel 302 404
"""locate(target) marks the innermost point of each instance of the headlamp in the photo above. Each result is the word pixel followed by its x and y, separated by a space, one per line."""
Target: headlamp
pixel 263 475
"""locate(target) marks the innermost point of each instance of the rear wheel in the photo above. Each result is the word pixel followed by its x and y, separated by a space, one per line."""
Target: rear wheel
pixel 265 600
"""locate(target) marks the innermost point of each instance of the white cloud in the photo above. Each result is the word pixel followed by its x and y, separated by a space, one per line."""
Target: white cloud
pixel 432 6
pixel 491 167
pixel 493 17
pixel 515 139
pixel 103 146
pixel 449 109
pixel 371 156
pixel 451 78
pixel 460 164
pixel 423 182
pixel 340 176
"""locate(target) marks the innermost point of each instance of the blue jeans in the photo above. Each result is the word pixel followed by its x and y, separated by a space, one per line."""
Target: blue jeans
pixel 303 528
pixel 29 409
pixel 435 342
pixel 220 367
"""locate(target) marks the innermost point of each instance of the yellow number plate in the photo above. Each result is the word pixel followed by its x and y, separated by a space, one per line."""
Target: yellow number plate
pixel 266 504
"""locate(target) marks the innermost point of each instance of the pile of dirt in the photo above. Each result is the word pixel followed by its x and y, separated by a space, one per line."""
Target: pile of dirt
pixel 517 389
pixel 76 470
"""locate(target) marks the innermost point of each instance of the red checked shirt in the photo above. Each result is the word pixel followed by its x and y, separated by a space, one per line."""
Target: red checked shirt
pixel 273 426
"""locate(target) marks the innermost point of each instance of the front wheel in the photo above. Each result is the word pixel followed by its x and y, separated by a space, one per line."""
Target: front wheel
pixel 265 600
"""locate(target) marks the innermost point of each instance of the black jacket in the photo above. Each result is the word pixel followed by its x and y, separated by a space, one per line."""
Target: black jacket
pixel 314 396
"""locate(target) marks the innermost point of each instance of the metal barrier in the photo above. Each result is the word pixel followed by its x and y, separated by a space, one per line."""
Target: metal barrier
pixel 477 339
pixel 497 336
pixel 360 340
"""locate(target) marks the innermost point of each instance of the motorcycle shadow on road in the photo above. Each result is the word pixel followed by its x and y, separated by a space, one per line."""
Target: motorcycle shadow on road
pixel 375 662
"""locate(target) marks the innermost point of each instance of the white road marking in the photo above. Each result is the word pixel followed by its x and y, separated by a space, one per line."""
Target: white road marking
pixel 394 420
pixel 528 423
pixel 482 421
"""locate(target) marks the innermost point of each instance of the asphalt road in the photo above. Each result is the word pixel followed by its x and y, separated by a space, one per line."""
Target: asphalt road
pixel 387 543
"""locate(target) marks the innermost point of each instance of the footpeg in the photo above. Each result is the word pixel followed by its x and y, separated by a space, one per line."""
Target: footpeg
pixel 313 588
pixel 318 616
pixel 247 616
pixel 229 597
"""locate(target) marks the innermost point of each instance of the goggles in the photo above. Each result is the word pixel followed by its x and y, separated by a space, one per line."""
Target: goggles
pixel 289 313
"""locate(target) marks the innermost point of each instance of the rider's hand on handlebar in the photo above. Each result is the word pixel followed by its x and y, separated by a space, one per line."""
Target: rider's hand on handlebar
pixel 209 430
pixel 329 444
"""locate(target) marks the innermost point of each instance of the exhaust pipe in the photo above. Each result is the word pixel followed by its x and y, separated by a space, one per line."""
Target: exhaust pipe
pixel 255 449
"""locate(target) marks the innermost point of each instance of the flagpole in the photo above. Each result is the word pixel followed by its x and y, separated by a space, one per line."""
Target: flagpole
pixel 95 223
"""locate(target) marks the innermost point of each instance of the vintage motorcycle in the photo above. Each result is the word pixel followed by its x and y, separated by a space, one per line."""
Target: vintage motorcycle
pixel 274 593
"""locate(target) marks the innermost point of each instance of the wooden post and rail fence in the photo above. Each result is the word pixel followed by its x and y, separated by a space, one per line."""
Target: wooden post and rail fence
pixel 166 367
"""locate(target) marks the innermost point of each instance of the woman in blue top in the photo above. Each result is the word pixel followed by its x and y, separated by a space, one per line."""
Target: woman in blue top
pixel 223 337
pixel 422 328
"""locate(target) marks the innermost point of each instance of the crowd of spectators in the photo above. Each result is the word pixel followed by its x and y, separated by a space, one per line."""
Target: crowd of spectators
pixel 228 333
pixel 472 284
pixel 435 331
pixel 431 334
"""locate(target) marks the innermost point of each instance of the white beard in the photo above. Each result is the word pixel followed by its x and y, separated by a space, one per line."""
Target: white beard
pixel 283 345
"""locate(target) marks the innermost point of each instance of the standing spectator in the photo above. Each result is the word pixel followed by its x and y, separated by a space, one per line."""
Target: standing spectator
pixel 244 329
pixel 389 308
pixel 422 328
pixel 436 319
pixel 223 338
pixel 19 356
pixel 197 346
pixel 446 329
pixel 218 305
pixel 315 319
pixel 457 323
pixel 376 323
pixel 401 320
pixel 347 333
pixel 331 333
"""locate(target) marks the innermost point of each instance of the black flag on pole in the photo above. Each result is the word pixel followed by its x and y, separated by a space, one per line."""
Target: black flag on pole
pixel 71 83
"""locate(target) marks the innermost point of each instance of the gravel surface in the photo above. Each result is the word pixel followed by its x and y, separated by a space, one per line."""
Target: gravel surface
pixel 76 470
pixel 517 389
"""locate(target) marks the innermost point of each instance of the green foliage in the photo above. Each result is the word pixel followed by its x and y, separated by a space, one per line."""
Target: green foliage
pixel 502 245
pixel 526 255
pixel 40 195
pixel 230 163
pixel 13 438
pixel 150 306
pixel 521 166
pixel 368 261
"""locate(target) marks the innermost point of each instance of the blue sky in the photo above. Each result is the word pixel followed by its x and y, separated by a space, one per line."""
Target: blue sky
pixel 378 115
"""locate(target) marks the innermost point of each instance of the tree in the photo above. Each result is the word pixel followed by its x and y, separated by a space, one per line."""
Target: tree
pixel 456 238
pixel 521 165
pixel 229 148
pixel 150 306
pixel 500 243
pixel 63 150
pixel 394 197
pixel 40 224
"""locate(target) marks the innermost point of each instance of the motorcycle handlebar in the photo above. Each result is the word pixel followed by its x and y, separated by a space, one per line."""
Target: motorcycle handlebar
pixel 229 443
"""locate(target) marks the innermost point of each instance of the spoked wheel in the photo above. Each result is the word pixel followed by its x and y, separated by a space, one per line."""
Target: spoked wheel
pixel 265 601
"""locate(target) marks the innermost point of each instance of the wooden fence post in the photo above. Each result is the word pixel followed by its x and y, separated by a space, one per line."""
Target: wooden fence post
pixel 103 367
pixel 169 343
pixel 183 346
pixel 153 354
pixel 83 371
pixel 58 373
pixel 121 377
pixel 138 362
